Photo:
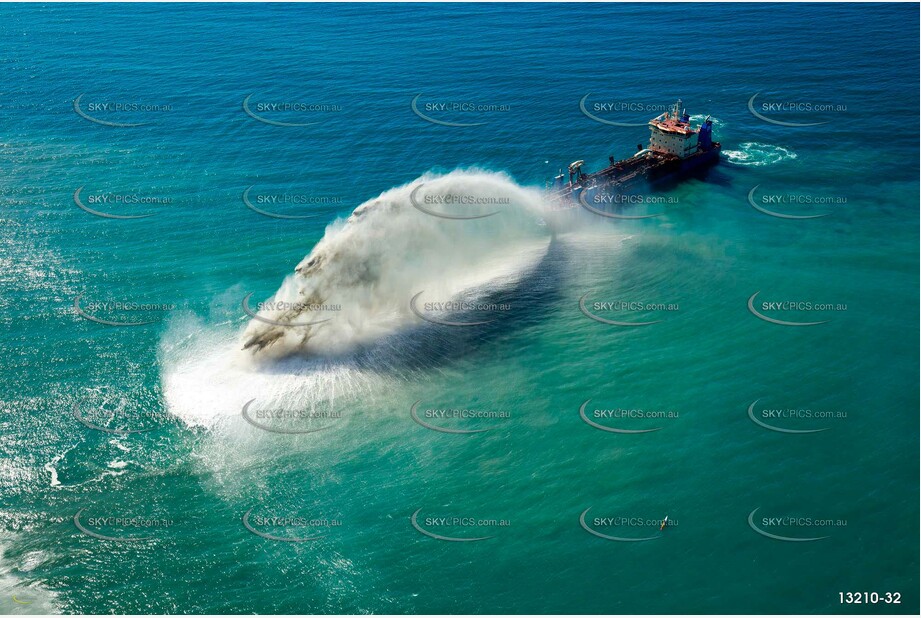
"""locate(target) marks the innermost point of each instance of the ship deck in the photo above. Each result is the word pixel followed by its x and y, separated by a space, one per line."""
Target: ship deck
pixel 622 173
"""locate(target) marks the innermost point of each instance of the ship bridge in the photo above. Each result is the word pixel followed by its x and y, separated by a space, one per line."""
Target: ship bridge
pixel 672 133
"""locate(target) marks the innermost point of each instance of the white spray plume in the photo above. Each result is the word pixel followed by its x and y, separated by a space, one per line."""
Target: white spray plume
pixel 355 286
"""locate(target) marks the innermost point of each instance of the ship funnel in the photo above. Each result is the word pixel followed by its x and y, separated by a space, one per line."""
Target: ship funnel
pixel 705 134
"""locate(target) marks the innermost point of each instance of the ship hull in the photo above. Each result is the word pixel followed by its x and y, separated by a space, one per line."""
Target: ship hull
pixel 631 175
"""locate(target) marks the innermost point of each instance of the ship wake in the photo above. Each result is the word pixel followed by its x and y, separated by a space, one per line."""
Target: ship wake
pixel 756 154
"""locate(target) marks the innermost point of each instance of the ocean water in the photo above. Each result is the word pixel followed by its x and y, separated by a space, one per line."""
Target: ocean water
pixel 138 432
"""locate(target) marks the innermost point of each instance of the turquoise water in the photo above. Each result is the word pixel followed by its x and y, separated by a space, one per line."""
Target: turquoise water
pixel 200 466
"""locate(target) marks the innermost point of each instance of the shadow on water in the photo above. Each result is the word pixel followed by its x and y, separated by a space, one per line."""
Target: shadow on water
pixel 715 175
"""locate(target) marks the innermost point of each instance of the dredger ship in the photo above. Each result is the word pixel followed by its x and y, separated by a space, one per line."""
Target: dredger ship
pixel 675 150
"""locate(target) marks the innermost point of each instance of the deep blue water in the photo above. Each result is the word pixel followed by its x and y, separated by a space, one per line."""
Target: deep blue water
pixel 352 73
